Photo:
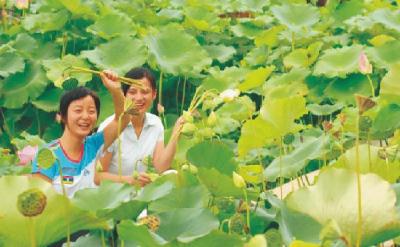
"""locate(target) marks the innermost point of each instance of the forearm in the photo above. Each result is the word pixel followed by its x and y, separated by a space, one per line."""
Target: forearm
pixel 163 161
pixel 101 176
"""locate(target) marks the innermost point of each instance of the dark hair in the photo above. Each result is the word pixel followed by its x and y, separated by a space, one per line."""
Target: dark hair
pixel 75 94
pixel 139 73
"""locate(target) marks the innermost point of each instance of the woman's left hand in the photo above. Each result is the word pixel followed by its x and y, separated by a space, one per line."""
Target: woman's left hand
pixel 110 80
pixel 178 125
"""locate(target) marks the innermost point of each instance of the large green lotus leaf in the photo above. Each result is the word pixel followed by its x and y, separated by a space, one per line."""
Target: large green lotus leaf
pixel 255 78
pixel 290 220
pixel 255 133
pixel 212 154
pixel 157 189
pixel 296 16
pixel 220 52
pixel 218 184
pixel 385 55
pixel 186 224
pixel 110 200
pixel 247 29
pixel 281 113
pixel 224 79
pixel 185 197
pixel 25 44
pixel 78 9
pixel 175 50
pixel 45 22
pixel 57 70
pixel 289 165
pixel 46 51
pixel 303 58
pixel 240 109
pixel 138 235
pixel 226 125
pixel 295 75
pixel 215 239
pixel 119 54
pixel 50 226
pixel 346 10
pixel 256 56
pixel 202 19
pixel 338 62
pixel 19 87
pixel 323 110
pixel 386 121
pixel 112 25
pixel 87 240
pixel 390 19
pixel 343 90
pixel 269 37
pixel 370 161
pixel 10 63
pixel 390 86
pixel 49 100
pixel 334 197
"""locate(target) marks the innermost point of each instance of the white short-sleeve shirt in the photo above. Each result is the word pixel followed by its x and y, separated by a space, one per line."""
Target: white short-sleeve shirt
pixel 134 149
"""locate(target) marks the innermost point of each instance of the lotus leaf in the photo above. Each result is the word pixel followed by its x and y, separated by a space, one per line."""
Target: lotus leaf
pixel 119 54
pixel 334 197
pixel 50 226
pixel 18 88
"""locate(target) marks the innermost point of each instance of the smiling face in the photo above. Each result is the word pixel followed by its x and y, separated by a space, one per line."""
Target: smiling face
pixel 81 116
pixel 142 97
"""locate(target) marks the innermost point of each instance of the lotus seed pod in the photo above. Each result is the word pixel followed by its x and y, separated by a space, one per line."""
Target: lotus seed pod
pixel 206 133
pixel 151 221
pixel 31 202
pixel 238 180
pixel 188 117
pixel 236 223
pixel 188 128
pixel 212 119
pixel 190 168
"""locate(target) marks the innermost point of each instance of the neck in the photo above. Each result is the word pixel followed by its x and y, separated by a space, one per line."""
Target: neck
pixel 138 120
pixel 71 142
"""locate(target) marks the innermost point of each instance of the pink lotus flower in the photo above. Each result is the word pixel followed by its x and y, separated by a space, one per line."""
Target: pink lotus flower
pixel 26 154
pixel 22 4
pixel 363 64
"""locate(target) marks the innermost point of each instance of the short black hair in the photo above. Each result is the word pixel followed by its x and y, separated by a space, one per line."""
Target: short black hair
pixel 139 73
pixel 75 94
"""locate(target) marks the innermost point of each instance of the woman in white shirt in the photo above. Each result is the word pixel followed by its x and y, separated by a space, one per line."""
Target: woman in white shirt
pixel 141 139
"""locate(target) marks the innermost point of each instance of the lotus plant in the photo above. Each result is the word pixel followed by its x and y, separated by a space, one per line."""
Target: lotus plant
pixel 365 68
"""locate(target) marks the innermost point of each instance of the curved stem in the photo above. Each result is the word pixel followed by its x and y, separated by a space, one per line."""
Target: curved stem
pixel 119 148
pixel 371 85
pixel 183 94
pixel 247 208
pixel 32 231
pixel 359 223
pixel 280 168
pixel 160 86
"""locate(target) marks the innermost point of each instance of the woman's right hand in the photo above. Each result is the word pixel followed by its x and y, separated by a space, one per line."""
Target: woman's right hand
pixel 141 180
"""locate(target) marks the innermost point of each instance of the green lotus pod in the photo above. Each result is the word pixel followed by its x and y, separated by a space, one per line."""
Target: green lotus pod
pixel 45 158
pixel 188 128
pixel 190 168
pixel 153 176
pixel 31 202
pixel 238 180
pixel 206 133
pixel 188 117
pixel 236 223
pixel 212 119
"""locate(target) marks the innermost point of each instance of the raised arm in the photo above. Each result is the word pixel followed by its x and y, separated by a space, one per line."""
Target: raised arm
pixel 163 155
pixel 110 81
